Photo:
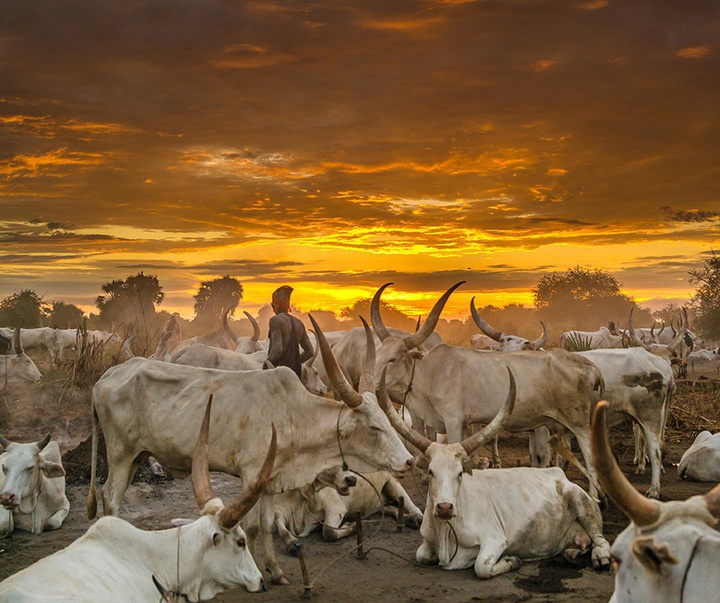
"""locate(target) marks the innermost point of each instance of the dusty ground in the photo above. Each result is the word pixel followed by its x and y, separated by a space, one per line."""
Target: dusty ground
pixel 386 575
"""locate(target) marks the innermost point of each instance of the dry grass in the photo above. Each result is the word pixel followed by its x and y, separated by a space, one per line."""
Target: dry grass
pixel 695 407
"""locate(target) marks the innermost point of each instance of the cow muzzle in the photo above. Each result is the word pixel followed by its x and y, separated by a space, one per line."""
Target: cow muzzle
pixel 8 501
pixel 444 510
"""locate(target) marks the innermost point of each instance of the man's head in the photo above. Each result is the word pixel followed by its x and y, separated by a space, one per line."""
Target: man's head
pixel 281 299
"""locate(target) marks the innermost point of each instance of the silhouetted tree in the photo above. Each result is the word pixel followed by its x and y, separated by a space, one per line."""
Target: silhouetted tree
pixel 131 300
pixel 391 316
pixel 213 297
pixel 584 298
pixel 64 316
pixel 706 301
pixel 24 309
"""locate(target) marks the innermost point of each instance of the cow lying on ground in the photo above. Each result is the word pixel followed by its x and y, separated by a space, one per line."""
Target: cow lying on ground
pixel 491 520
pixel 17 367
pixel 115 562
pixel 701 461
pixel 32 487
pixel 335 496
pixel 669 551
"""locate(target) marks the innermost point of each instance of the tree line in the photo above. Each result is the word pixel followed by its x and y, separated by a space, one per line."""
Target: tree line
pixel 578 298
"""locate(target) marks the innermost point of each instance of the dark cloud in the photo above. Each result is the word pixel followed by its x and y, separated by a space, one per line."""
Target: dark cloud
pixel 692 215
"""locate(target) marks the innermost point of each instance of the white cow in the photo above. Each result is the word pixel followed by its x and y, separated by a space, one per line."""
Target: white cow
pixel 17 367
pixel 206 356
pixel 704 355
pixel 143 406
pixel 32 487
pixel 602 338
pixel 669 551
pixel 244 345
pixel 491 520
pixel 503 341
pixel 115 562
pixel 41 338
pixel 300 512
pixel 701 461
pixel 171 340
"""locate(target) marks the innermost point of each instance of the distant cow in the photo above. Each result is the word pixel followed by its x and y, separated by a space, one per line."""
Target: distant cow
pixel 17 367
pixel 503 341
pixel 32 487
pixel 701 461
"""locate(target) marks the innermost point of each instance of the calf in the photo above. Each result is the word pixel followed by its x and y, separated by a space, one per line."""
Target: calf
pixel 32 487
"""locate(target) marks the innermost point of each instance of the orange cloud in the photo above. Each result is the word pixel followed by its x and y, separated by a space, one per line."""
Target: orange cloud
pixel 34 165
pixel 544 65
pixel 696 52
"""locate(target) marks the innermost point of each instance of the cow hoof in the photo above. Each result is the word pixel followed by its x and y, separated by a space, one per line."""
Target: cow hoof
pixel 280 580
pixel 292 550
pixel 413 522
pixel 653 494
pixel 640 471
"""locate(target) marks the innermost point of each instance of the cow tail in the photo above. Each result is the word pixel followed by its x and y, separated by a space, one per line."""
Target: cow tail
pixel 92 495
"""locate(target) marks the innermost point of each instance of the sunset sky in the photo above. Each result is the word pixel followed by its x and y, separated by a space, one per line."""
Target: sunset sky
pixel 339 145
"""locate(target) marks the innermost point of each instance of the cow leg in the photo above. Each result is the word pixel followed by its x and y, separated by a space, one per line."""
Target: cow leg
pixel 640 458
pixel 654 447
pixel 267 516
pixel 7 522
pixel 539 447
pixel 393 490
pixel 589 517
pixel 56 520
pixel 426 555
pixel 120 474
pixel 496 463
pixel 490 562
pixel 332 530
pixel 583 440
pixel 288 539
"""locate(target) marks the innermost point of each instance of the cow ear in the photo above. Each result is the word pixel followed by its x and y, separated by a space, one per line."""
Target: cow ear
pixel 651 554
pixel 51 469
pixel 417 354
pixel 468 466
pixel 217 538
pixel 421 462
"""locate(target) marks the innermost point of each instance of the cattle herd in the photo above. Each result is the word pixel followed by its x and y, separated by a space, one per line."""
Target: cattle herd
pixel 317 451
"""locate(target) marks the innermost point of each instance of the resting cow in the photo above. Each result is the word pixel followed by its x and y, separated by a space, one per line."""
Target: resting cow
pixel 17 367
pixel 701 461
pixel 115 562
pixel 32 487
pixel 669 552
pixel 491 520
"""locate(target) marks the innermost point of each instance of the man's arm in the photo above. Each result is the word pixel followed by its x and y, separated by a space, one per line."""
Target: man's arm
pixel 306 345
pixel 276 347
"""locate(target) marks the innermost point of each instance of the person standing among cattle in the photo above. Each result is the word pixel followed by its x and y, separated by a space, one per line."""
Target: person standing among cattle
pixel 287 335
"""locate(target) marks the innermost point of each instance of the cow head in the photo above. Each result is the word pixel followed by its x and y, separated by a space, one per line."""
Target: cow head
pixel 243 345
pixel 399 353
pixel 447 463
pixel 338 478
pixel 364 430
pixel 656 556
pixel 507 343
pixel 23 467
pixel 220 557
pixel 18 367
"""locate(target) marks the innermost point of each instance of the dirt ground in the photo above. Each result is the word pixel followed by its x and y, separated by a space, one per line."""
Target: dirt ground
pixel 387 574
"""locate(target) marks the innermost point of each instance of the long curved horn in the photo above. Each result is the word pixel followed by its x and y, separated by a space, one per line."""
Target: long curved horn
pixel 418 338
pixel 493 428
pixel 255 326
pixel 232 334
pixel 417 324
pixel 231 514
pixel 672 346
pixel 642 511
pixel 482 325
pixel 416 439
pixel 337 380
pixel 316 350
pixel 375 318
pixel 633 338
pixel 200 467
pixel 540 341
pixel 16 345
pixel 44 442
pixel 367 379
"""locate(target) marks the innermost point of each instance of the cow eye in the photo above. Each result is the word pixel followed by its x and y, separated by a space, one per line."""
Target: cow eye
pixel 430 471
pixel 4 469
pixel 460 475
pixel 240 543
